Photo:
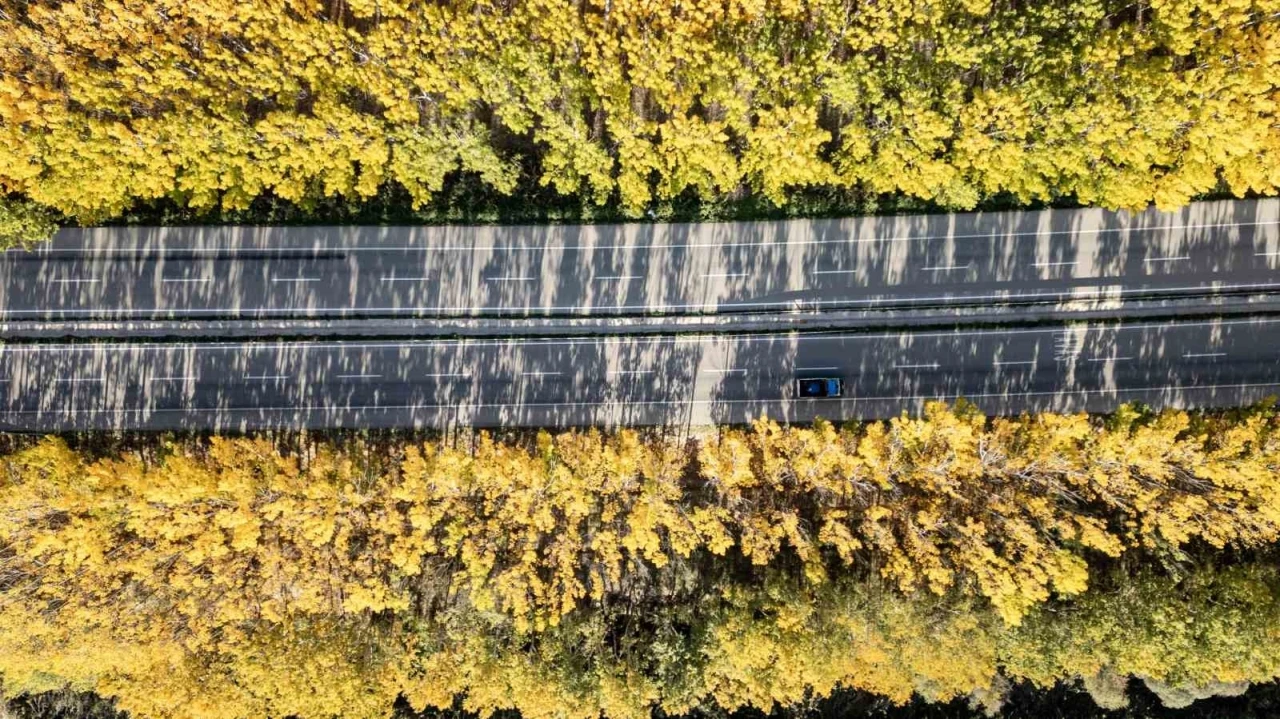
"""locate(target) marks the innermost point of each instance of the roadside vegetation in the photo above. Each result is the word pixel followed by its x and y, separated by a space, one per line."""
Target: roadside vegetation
pixel 109 108
pixel 1022 701
pixel 945 557
pixel 24 224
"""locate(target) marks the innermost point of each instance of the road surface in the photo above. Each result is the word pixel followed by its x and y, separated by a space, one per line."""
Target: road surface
pixel 632 380
pixel 661 269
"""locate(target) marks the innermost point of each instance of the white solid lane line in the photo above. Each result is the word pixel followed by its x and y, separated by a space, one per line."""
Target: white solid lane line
pixel 76 281
pixel 295 279
pixel 510 279
pixel 608 278
pixel 661 245
pixel 945 268
pixel 835 272
pixel 932 365
pixel 1056 264
pixel 186 279
pixel 726 274
pixel 651 403
pixel 266 376
pixel 406 279
pixel 1179 258
pixel 70 380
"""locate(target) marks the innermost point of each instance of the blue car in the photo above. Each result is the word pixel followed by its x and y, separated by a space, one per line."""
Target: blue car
pixel 819 387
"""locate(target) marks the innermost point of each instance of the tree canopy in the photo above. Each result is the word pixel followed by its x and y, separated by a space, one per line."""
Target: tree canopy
pixel 586 573
pixel 211 103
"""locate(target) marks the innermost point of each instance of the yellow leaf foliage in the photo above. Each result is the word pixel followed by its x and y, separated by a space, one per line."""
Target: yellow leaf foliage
pixel 631 100
pixel 224 578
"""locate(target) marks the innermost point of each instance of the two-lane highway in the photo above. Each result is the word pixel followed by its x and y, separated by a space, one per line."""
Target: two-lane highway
pixel 632 380
pixel 201 273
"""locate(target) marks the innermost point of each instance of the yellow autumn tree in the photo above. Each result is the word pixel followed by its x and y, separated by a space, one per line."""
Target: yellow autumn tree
pixel 1008 509
pixel 221 578
pixel 628 101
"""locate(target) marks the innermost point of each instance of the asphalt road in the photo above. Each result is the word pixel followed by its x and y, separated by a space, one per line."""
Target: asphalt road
pixel 643 269
pixel 635 380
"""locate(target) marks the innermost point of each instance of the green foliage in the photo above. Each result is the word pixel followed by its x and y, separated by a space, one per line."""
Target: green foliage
pixel 24 224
